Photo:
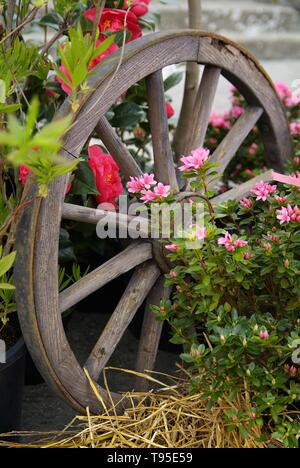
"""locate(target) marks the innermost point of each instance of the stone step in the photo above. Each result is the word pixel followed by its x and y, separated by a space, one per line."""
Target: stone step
pixel 247 17
pixel 269 31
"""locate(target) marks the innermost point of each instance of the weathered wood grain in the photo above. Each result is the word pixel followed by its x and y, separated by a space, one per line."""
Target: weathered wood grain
pixel 128 259
pixel 235 137
pixel 150 334
pixel 203 107
pixel 163 155
pixel 138 289
pixel 242 190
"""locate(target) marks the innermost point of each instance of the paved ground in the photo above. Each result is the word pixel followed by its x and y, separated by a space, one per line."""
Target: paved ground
pixel 42 410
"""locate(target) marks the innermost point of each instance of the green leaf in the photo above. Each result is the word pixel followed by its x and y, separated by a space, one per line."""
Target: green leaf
pixel 6 263
pixel 7 286
pixel 173 80
pixel 2 91
pixel 7 108
pixel 127 115
pixel 84 182
pixel 53 20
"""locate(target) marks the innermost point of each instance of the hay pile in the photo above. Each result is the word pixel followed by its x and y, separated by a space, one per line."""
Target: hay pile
pixel 166 418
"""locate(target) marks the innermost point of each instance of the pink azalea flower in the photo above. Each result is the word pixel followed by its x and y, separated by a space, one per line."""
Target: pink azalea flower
pixel 220 120
pixel 295 128
pixel 246 256
pixel 296 214
pixel 240 243
pixel 148 196
pixel 284 92
pixel 147 180
pixel 195 161
pixel 237 111
pixel 264 335
pixel 268 246
pixel 284 215
pixel 293 371
pixel 227 241
pixel 252 150
pixel 162 190
pixel 280 200
pixel 201 233
pixel 173 274
pixel 246 203
pixel 263 190
pixel 172 247
pixel 134 185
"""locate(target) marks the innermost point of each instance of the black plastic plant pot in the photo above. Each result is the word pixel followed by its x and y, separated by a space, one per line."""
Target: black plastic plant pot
pixel 11 388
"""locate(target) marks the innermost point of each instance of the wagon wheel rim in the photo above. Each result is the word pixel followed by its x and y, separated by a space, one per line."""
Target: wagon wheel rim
pixel 37 238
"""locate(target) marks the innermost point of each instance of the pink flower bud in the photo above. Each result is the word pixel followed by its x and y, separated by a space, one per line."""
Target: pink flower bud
pixel 173 274
pixel 264 335
pixel 293 371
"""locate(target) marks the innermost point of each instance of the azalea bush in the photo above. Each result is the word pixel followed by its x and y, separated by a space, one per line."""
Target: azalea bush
pixel 249 160
pixel 236 298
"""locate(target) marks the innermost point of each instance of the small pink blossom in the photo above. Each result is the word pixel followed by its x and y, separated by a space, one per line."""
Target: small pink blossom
pixel 253 149
pixel 296 214
pixel 148 196
pixel 263 191
pixel 286 368
pixel 173 274
pixel 195 161
pixel 267 246
pixel 220 120
pixel 246 255
pixel 147 181
pixel 227 240
pixel 134 185
pixel 296 160
pixel 284 215
pixel 246 203
pixel 201 233
pixel 264 335
pixel 162 191
pixel 172 247
pixel 240 243
pixel 237 111
pixel 295 128
pixel 280 200
pixel 252 415
pixel 293 371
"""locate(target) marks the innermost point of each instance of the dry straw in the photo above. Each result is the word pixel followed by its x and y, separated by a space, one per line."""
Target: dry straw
pixel 165 418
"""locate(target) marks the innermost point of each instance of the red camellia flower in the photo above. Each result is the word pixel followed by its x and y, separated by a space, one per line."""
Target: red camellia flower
pixel 106 172
pixel 170 110
pixel 24 171
pixel 63 84
pixel 139 8
pixel 107 53
pixel 114 19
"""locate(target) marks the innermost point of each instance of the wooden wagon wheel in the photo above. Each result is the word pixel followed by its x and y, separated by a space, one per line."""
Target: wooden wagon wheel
pixel 39 303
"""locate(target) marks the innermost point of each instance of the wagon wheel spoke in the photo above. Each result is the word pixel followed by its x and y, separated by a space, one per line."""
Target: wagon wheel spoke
pixel 203 107
pixel 134 255
pixel 118 150
pixel 141 283
pixel 244 189
pixel 163 155
pixel 127 224
pixel 234 139
pixel 151 334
